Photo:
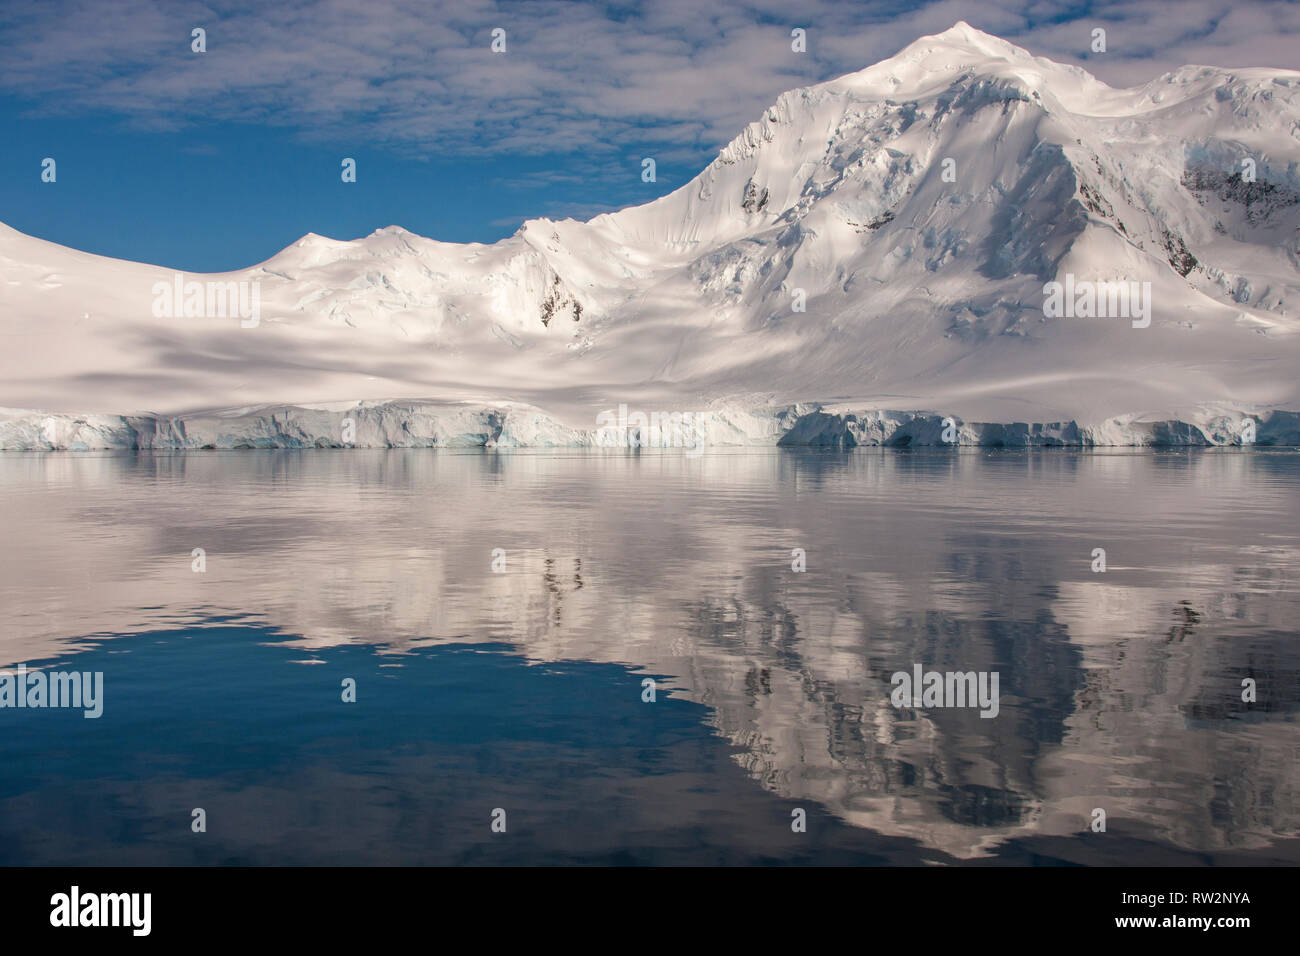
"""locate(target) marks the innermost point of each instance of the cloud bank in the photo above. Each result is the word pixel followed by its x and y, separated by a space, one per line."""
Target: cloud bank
pixel 595 81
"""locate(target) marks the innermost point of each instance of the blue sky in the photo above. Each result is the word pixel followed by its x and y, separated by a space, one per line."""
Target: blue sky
pixel 214 161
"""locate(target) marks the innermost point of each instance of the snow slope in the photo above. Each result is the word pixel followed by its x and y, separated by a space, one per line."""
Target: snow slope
pixel 922 281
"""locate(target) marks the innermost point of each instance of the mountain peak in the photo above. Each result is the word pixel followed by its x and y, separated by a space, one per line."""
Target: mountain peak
pixel 962 36
pixel 963 32
pixel 939 59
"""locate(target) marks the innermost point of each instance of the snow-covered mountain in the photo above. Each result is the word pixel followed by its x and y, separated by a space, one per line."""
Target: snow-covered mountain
pixel 869 256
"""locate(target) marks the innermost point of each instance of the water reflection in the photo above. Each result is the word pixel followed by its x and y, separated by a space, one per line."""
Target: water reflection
pixel 1120 690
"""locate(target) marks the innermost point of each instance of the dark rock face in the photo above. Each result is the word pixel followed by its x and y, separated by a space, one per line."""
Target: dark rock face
pixel 1260 198
pixel 558 300
pixel 754 201
pixel 1179 257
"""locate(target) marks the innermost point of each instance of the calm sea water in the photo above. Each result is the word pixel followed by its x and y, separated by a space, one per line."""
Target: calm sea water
pixel 513 680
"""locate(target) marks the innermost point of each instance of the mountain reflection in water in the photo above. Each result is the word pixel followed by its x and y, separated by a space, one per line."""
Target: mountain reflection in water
pixel 1119 690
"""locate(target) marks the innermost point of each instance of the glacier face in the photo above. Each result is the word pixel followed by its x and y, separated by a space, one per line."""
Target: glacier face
pixel 408 424
pixel 872 249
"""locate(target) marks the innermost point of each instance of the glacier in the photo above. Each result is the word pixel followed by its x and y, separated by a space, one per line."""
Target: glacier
pixel 408 424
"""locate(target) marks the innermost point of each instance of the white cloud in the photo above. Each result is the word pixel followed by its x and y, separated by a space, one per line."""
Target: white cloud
pixel 676 77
